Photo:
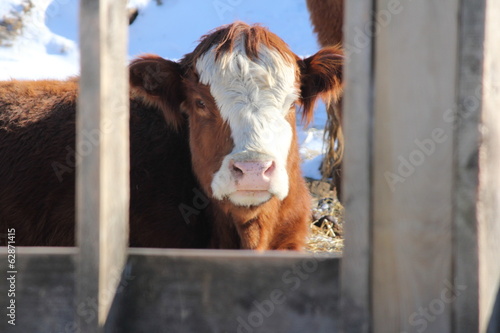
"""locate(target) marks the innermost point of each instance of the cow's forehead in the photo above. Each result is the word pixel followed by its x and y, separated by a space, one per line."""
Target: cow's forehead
pixel 238 82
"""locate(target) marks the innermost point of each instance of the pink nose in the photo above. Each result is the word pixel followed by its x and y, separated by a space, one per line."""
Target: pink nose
pixel 253 176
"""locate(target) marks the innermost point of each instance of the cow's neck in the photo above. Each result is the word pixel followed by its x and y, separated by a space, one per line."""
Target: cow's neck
pixel 242 227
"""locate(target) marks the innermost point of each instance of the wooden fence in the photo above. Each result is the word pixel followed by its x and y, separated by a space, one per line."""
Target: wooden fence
pixel 422 251
pixel 421 120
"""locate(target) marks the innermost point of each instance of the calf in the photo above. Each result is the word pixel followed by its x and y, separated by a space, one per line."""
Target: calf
pixel 214 154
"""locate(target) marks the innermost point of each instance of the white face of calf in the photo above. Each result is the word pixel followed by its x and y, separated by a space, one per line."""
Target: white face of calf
pixel 253 97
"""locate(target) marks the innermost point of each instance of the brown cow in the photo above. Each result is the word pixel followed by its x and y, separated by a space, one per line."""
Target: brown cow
pixel 327 17
pixel 214 155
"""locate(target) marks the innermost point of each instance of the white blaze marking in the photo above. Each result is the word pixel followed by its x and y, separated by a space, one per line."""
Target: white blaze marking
pixel 253 98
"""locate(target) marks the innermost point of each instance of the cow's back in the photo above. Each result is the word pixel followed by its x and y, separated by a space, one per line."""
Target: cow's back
pixel 36 125
pixel 38 162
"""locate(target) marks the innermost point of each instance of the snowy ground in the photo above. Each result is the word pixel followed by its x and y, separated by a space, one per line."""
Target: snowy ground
pixel 48 44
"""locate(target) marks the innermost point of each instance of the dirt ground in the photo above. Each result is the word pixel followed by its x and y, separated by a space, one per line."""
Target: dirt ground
pixel 327 219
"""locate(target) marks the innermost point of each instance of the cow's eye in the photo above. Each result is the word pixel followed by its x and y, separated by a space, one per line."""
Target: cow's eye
pixel 200 104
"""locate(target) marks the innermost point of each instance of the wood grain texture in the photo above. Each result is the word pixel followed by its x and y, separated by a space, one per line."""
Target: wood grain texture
pixel 183 291
pixel 415 79
pixel 103 144
pixel 489 178
pixel 358 117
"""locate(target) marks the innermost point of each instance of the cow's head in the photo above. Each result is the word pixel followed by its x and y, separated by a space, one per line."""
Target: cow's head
pixel 238 89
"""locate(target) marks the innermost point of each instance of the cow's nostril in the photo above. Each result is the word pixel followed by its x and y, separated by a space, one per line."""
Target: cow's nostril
pixel 254 169
pixel 237 171
pixel 269 171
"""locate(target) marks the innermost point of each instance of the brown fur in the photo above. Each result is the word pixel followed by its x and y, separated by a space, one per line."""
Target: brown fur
pixel 327 17
pixel 176 147
pixel 321 73
pixel 37 170
pixel 224 37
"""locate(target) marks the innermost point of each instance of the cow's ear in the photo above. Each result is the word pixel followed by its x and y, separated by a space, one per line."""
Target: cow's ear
pixel 158 82
pixel 321 76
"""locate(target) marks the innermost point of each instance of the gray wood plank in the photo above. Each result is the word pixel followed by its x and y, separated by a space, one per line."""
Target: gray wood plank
pixel 230 293
pixel 358 117
pixel 44 290
pixel 183 291
pixel 467 141
pixel 489 177
pixel 103 174
pixel 415 79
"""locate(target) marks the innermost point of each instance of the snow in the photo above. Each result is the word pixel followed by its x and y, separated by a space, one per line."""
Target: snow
pixel 9 8
pixel 38 53
pixel 48 45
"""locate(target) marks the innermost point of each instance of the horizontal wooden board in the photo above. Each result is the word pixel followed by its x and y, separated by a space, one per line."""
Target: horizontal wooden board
pixel 181 291
pixel 44 290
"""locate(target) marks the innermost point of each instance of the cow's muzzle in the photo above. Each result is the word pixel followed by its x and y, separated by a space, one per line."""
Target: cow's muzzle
pixel 252 175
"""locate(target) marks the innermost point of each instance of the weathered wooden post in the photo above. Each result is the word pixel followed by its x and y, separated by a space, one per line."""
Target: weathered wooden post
pixel 103 145
pixel 358 111
pixel 488 209
pixel 422 166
